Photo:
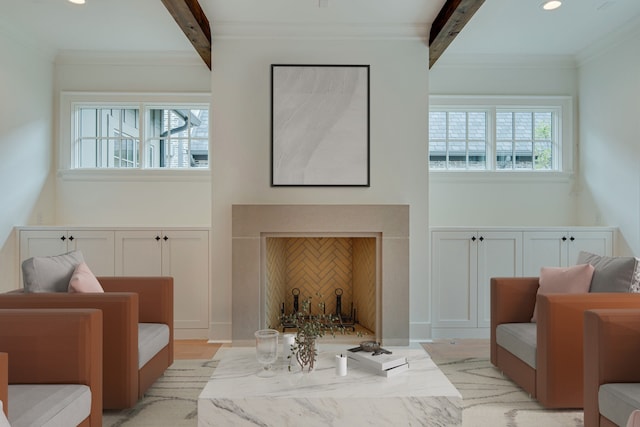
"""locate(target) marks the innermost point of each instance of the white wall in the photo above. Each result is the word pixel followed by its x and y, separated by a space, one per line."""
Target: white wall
pixel 143 202
pixel 26 110
pixel 241 146
pixel 499 201
pixel 609 84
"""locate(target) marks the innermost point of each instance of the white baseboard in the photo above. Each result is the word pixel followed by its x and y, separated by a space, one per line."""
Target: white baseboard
pixel 453 333
pixel 420 331
pixel 190 334
pixel 220 332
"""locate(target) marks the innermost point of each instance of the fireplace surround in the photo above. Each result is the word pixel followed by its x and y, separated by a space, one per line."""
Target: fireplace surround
pixel 253 224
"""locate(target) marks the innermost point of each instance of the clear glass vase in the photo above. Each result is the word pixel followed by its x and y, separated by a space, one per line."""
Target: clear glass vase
pixel 266 351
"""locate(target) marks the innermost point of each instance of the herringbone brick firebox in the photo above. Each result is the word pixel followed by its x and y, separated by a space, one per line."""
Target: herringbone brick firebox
pixel 330 270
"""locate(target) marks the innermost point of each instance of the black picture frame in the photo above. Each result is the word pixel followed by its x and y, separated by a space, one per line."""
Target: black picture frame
pixel 320 125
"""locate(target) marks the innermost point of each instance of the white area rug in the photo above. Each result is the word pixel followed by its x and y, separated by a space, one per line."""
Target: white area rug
pixel 490 399
pixel 170 402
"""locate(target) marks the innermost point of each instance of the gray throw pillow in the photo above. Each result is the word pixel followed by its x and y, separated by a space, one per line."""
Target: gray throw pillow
pixel 50 273
pixel 635 282
pixel 612 274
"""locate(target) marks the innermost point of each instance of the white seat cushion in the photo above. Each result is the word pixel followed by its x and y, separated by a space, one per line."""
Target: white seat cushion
pixel 152 337
pixel 618 400
pixel 4 422
pixel 518 339
pixel 48 405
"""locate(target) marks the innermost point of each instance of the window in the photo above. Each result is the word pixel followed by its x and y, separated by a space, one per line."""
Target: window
pixel 500 134
pixel 458 139
pixel 107 137
pixel 134 132
pixel 525 140
pixel 179 136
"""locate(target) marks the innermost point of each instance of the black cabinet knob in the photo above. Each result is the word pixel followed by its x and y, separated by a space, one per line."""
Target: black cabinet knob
pixel 71 238
pixel 473 239
pixel 572 238
pixel 157 238
pixel 481 238
pixel 63 238
pixel 564 238
pixel 165 238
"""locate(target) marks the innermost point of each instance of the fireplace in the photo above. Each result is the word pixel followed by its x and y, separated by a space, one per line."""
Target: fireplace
pixel 338 274
pixel 375 235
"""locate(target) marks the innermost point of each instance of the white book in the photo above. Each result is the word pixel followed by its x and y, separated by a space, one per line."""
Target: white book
pixel 382 372
pixel 380 362
pixel 394 371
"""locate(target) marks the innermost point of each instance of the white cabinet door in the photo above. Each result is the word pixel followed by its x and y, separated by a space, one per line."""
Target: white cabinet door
pixel 96 246
pixel 560 248
pixel 42 243
pixel 454 279
pixel 596 242
pixel 185 257
pixel 543 249
pixel 499 255
pixel 138 253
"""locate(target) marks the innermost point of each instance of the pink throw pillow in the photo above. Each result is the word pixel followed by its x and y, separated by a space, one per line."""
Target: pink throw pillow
pixel 83 280
pixel 564 280
pixel 634 419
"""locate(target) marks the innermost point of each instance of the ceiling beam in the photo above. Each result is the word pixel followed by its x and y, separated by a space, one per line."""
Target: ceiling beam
pixel 453 16
pixel 194 23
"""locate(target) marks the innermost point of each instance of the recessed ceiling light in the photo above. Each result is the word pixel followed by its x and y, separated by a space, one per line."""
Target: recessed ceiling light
pixel 77 1
pixel 551 4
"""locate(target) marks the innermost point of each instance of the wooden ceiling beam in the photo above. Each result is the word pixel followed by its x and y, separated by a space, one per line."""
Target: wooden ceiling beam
pixel 194 23
pixel 453 16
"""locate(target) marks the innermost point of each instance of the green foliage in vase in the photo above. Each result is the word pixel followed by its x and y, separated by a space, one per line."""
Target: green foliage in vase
pixel 310 327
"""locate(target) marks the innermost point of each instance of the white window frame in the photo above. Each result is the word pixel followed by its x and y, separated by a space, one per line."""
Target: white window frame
pixel 66 148
pixel 562 106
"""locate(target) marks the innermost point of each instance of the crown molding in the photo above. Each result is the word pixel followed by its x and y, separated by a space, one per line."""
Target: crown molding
pixel 287 30
pixel 625 32
pixel 505 61
pixel 165 59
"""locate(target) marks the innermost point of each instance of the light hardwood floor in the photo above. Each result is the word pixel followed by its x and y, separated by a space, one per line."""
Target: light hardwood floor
pixel 194 349
pixel 443 349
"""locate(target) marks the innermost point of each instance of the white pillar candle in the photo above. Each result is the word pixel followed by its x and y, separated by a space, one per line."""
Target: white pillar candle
pixel 341 365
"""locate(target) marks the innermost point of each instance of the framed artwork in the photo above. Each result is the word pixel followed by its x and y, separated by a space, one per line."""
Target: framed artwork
pixel 320 125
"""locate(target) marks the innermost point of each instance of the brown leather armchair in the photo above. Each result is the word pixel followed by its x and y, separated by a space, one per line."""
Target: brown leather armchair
pixel 44 346
pixel 611 349
pixel 127 301
pixel 557 379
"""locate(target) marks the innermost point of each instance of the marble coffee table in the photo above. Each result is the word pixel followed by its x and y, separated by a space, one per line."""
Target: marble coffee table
pixel 236 396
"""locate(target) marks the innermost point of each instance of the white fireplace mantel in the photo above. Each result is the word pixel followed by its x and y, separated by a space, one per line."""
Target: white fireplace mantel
pixel 251 223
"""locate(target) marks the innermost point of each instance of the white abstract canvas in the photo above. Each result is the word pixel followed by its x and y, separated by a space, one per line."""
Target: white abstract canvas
pixel 320 125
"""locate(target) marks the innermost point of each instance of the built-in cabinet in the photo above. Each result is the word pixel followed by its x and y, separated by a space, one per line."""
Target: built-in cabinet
pixel 96 246
pixel 560 248
pixel 462 264
pixel 180 253
pixel 463 261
